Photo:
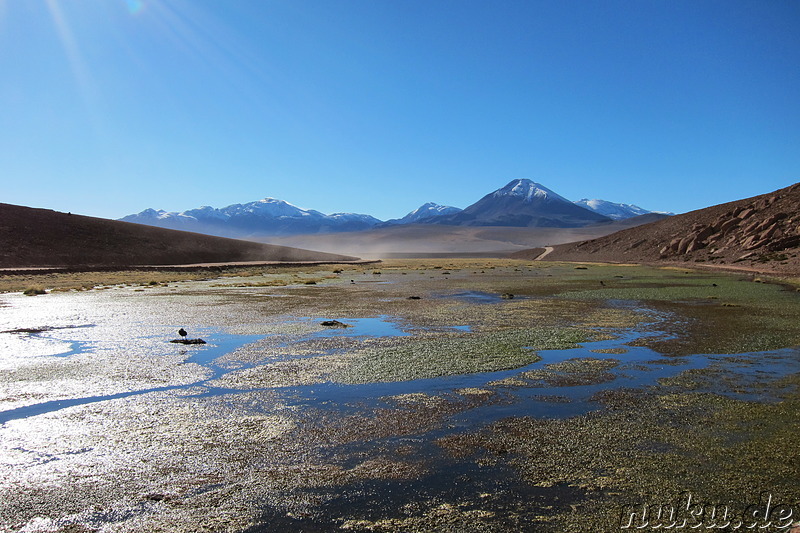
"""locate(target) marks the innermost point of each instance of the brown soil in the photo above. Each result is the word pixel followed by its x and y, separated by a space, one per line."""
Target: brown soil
pixel 757 234
pixel 42 238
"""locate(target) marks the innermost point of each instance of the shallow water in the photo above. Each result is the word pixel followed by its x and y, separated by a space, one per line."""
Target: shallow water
pixel 638 367
pixel 479 297
pixel 203 355
pixel 381 326
pixel 98 354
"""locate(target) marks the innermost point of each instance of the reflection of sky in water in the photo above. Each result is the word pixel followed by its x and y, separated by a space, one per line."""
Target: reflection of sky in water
pixel 362 327
pixel 638 367
pixel 87 325
pixel 51 313
pixel 19 345
pixel 478 297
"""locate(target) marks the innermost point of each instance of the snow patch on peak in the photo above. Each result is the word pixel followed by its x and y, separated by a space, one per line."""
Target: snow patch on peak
pixel 528 190
pixel 270 200
pixel 612 210
pixel 427 210
pixel 152 213
pixel 431 208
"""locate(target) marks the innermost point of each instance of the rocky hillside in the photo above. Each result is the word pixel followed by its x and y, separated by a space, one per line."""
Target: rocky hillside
pixel 762 233
pixel 40 237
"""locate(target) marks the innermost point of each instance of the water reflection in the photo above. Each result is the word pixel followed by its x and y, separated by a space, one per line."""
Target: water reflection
pixel 534 390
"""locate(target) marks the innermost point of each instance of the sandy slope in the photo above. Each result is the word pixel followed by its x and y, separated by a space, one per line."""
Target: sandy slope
pixel 40 237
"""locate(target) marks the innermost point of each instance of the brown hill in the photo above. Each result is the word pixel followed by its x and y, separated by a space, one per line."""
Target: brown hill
pixel 39 237
pixel 760 233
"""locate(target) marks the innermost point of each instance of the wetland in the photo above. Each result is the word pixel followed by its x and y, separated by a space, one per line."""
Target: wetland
pixel 449 395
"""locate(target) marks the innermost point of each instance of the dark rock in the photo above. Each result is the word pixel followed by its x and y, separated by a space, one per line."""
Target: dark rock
pixel 334 324
pixel 683 245
pixel 728 225
pixel 705 233
pixel 792 241
pixel 769 232
pixel 413 298
pixel 746 213
pixel 695 244
pixel 188 341
pixel 31 331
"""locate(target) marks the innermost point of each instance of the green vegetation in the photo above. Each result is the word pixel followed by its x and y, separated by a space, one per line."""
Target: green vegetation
pixel 33 291
pixel 650 449
pixel 432 357
pixel 774 256
pixel 700 431
pixel 715 313
pixel 571 373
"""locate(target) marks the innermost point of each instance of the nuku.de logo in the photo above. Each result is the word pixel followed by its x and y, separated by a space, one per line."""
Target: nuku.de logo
pixel 685 513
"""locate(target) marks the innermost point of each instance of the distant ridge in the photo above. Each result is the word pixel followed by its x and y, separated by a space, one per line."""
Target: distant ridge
pixel 268 216
pixel 761 233
pixel 424 213
pixel 613 210
pixel 521 203
pixel 32 237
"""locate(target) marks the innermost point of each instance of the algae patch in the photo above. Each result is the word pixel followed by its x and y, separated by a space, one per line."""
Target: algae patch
pixel 423 358
pixel 573 372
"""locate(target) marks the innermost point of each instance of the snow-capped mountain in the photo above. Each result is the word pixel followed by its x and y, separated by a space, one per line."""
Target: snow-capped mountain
pixel 612 210
pixel 269 216
pixel 523 203
pixel 423 212
pixel 527 190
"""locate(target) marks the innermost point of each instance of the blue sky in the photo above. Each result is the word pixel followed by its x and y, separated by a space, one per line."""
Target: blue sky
pixel 113 106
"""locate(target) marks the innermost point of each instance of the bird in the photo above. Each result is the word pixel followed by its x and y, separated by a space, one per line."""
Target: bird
pixel 182 333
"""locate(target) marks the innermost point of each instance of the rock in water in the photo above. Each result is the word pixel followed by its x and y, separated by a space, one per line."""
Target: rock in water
pixel 334 324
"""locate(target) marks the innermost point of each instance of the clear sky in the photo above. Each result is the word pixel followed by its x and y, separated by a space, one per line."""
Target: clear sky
pixel 109 107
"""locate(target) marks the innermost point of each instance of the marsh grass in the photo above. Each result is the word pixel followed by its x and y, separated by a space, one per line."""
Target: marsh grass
pixel 715 312
pixel 718 449
pixel 81 281
pixel 725 313
pixel 646 446
pixel 89 280
pixel 571 373
pixel 34 291
pixel 433 357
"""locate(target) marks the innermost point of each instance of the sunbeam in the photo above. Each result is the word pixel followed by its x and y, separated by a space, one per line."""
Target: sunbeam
pixel 79 70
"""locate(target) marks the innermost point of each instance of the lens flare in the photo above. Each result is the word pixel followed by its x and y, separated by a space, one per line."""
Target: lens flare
pixel 135 6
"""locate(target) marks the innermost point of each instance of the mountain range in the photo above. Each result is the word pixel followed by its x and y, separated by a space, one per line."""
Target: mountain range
pixel 521 203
